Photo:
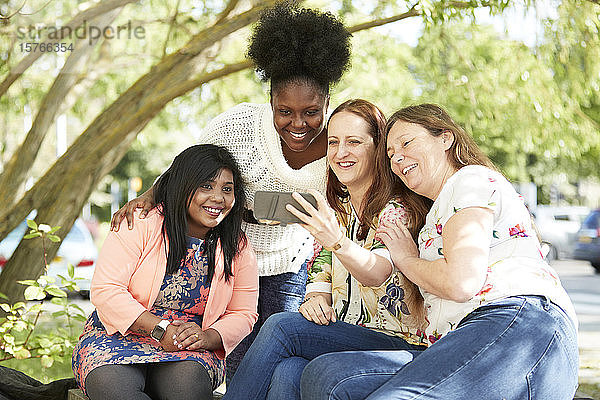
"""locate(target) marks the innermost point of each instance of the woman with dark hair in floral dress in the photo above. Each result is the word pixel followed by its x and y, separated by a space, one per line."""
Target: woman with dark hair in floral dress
pixel 177 293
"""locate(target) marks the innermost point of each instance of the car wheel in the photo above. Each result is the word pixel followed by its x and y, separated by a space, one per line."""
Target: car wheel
pixel 85 294
pixel 596 266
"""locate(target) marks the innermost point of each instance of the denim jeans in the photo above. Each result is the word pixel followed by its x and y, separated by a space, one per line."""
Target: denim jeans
pixel 276 293
pixel 287 342
pixel 522 347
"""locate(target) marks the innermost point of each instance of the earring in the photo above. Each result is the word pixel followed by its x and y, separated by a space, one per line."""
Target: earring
pixel 457 152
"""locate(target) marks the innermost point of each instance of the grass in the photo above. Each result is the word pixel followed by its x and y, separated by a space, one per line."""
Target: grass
pixel 32 367
pixel 590 389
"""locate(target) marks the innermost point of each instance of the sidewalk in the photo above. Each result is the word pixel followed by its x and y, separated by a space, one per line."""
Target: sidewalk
pixel 583 286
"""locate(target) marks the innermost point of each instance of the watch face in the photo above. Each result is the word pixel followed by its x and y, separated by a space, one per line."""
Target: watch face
pixel 157 332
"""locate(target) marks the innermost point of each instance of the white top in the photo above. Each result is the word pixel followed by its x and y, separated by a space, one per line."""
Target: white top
pixel 247 131
pixel 515 267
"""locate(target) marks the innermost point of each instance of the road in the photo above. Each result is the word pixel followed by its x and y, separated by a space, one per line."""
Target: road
pixel 583 286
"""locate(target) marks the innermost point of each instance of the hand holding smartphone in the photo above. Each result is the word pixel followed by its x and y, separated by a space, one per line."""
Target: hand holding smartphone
pixel 269 207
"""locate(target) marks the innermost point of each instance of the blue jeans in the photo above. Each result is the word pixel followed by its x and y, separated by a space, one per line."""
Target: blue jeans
pixel 520 347
pixel 287 342
pixel 276 293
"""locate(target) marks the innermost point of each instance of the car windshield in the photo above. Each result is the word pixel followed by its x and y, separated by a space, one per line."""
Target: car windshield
pixel 18 232
pixel 592 221
pixel 76 235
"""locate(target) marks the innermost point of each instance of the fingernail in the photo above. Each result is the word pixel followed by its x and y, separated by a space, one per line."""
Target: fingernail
pixel 174 336
pixel 174 341
pixel 179 346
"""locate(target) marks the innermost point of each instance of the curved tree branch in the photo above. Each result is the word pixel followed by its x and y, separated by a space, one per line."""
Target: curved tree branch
pixel 86 15
pixel 226 11
pixel 16 169
pixel 413 12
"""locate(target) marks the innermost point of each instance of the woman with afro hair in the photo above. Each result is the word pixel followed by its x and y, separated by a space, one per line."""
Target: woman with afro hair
pixel 280 146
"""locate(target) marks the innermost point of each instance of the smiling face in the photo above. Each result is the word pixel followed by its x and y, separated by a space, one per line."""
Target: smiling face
pixel 298 114
pixel 350 150
pixel 210 204
pixel 419 158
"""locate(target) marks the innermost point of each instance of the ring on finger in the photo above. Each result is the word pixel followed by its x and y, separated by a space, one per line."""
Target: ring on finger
pixel 196 336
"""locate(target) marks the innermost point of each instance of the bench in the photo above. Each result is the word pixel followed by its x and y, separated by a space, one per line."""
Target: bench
pixel 77 394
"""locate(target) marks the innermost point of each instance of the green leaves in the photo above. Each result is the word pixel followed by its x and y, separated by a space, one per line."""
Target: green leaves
pixel 32 235
pixel 42 230
pixel 55 291
pixel 21 353
pixel 47 361
pixel 18 338
pixel 34 293
pixel 54 238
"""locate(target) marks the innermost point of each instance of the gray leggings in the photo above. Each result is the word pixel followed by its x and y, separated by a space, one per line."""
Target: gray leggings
pixel 166 380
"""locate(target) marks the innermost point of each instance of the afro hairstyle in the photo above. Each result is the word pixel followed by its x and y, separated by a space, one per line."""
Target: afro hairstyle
pixel 299 44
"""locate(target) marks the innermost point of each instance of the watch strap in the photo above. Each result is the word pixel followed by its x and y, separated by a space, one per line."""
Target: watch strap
pixel 337 245
pixel 159 330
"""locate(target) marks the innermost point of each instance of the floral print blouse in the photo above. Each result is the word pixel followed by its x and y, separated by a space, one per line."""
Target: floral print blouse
pixel 515 266
pixel 382 308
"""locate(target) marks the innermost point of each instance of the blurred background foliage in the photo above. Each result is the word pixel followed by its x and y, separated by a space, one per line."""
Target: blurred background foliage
pixel 535 109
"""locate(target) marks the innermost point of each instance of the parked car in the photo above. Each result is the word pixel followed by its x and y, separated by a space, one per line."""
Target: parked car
pixel 588 240
pixel 558 228
pixel 77 248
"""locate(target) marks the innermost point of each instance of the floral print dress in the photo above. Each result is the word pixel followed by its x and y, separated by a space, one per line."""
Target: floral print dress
pixel 182 296
pixel 515 263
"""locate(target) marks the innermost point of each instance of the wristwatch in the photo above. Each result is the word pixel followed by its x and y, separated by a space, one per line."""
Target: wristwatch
pixel 337 245
pixel 159 330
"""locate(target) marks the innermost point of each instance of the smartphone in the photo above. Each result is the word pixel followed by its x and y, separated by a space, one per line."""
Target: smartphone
pixel 269 207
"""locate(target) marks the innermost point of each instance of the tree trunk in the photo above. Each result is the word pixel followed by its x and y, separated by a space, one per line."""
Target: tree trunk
pixel 60 194
pixel 86 15
pixel 15 171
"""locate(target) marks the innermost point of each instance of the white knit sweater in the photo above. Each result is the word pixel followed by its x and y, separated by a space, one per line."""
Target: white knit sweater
pixel 247 131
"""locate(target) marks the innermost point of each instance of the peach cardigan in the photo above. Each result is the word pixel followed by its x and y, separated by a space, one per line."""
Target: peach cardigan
pixel 130 271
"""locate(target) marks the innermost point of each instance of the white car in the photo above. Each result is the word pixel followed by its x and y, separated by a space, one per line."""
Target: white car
pixel 558 228
pixel 77 248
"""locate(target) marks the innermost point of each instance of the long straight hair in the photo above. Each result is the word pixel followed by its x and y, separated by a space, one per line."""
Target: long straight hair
pixel 464 151
pixel 174 191
pixel 385 185
pixel 374 201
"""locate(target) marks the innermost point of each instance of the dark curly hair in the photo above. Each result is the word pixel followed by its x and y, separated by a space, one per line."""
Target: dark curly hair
pixel 291 44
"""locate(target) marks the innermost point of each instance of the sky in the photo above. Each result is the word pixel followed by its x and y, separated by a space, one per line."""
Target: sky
pixel 516 23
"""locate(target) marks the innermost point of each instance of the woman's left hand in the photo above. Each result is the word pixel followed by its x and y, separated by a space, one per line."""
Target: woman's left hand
pixel 398 240
pixel 190 336
pixel 320 222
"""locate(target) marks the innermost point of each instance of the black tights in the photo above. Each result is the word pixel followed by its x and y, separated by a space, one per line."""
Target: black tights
pixel 166 380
